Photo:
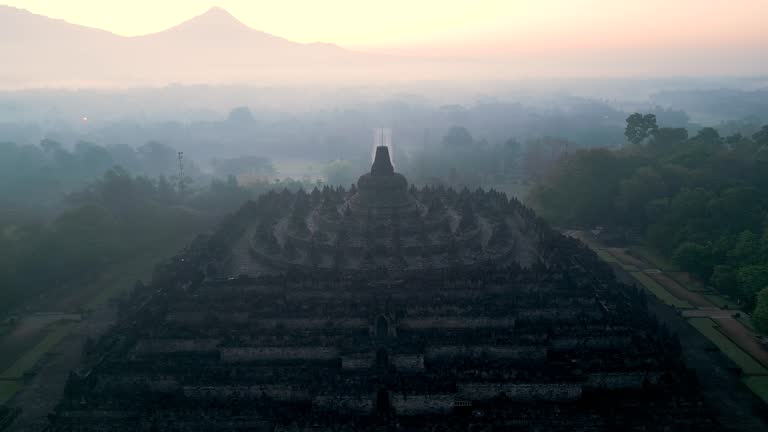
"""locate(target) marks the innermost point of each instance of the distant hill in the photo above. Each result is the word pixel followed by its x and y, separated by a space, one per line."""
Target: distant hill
pixel 211 48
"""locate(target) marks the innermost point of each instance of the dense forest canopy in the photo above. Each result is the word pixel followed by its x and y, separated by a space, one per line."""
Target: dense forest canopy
pixel 38 175
pixel 98 223
pixel 699 200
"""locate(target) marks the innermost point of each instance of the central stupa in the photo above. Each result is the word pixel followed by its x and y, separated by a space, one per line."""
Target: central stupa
pixel 382 189
pixel 382 222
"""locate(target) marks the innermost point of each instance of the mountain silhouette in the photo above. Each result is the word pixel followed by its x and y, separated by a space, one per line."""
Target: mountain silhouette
pixel 214 47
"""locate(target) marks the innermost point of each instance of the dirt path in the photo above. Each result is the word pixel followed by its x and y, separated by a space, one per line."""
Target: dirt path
pixel 40 395
pixel 706 313
pixel 625 258
pixel 677 290
pixel 26 334
pixel 742 337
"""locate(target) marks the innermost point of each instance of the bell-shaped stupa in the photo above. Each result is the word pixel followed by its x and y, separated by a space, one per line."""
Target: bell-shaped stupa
pixel 382 189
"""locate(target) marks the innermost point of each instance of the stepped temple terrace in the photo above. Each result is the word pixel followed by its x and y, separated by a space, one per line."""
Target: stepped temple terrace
pixel 384 307
pixel 382 222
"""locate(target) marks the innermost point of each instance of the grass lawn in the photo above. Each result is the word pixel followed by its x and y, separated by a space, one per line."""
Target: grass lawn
pixel 721 301
pixel 659 291
pixel 746 320
pixel 690 282
pixel 611 256
pixel 28 361
pixel 758 385
pixel 8 389
pixel 606 256
pixel 652 257
pixel 748 365
pixel 625 257
pixel 124 275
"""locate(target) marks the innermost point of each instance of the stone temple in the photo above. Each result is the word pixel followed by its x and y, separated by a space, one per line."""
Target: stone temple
pixel 384 308
pixel 383 223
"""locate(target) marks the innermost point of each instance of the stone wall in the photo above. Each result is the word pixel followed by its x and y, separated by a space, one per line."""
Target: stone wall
pixel 410 404
pixel 308 323
pixel 455 323
pixel 272 391
pixel 521 392
pixel 457 352
pixel 132 381
pixel 358 404
pixel 622 380
pixel 152 346
pixel 358 361
pixel 248 354
pixel 598 343
pixel 405 363
pixel 557 314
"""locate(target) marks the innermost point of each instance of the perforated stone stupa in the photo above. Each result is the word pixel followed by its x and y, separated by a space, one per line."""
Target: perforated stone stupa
pixel 381 222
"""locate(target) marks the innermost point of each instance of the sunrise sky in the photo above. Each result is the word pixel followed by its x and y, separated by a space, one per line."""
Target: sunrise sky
pixel 450 27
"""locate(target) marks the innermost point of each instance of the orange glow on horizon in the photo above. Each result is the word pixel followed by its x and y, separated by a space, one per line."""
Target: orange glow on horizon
pixel 456 28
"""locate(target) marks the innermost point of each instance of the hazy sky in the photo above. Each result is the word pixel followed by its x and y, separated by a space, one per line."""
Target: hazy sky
pixel 451 27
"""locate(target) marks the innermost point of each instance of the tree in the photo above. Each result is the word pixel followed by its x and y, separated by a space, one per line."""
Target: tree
pixel 695 257
pixel 165 190
pixel 255 166
pixel 645 185
pixel 724 278
pixel 339 172
pixel 752 279
pixel 736 209
pixel 157 159
pixel 458 138
pixel 510 159
pixel 583 188
pixel 760 315
pixel 761 137
pixel 639 127
pixel 708 138
pixel 665 137
pixel 240 115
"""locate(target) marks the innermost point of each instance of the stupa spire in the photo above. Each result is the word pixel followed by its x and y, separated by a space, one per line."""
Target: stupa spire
pixel 382 165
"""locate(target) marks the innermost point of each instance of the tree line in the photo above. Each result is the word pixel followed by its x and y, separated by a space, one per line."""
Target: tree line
pixel 699 200
pixel 106 223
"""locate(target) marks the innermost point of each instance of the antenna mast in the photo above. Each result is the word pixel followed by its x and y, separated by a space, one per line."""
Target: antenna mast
pixel 181 172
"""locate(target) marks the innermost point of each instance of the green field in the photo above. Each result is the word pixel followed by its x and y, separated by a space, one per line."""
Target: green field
pixel 758 385
pixel 659 291
pixel 123 277
pixel 746 320
pixel 748 365
pixel 28 361
pixel 721 301
pixel 653 258
pixel 8 389
pixel 606 256
pixel 690 282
